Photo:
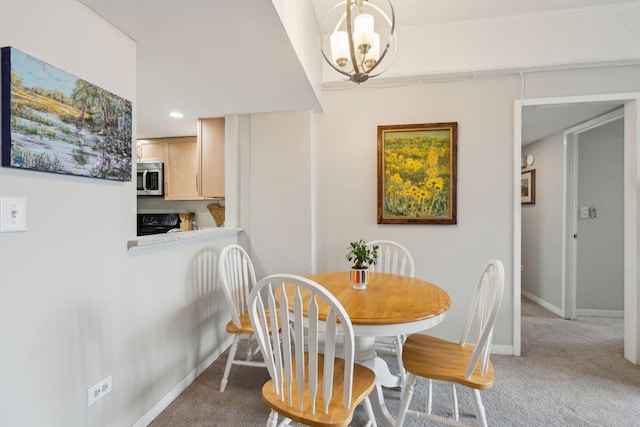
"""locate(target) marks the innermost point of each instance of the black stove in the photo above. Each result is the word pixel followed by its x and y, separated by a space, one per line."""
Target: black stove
pixel 157 223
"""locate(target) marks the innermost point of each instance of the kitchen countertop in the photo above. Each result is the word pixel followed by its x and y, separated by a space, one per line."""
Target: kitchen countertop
pixel 157 239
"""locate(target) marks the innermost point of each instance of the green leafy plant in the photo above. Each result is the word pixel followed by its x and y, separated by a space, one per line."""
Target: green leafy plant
pixel 362 255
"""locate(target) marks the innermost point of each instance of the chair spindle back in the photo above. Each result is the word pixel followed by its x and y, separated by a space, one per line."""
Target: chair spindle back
pixel 298 300
pixel 393 258
pixel 238 278
pixel 482 313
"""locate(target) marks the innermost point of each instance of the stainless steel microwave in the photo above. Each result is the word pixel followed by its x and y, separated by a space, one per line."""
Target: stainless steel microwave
pixel 150 178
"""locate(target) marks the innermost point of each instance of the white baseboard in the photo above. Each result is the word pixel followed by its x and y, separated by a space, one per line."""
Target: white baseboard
pixel 599 313
pixel 552 308
pixel 502 350
pixel 163 403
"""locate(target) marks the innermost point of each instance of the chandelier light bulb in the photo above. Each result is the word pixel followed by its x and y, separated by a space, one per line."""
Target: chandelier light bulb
pixel 374 52
pixel 340 48
pixel 363 32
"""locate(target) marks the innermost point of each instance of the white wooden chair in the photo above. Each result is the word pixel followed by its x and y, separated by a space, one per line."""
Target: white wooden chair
pixel 238 278
pixel 393 258
pixel 457 362
pixel 306 385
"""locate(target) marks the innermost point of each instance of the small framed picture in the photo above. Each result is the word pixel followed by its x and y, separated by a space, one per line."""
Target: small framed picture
pixel 528 187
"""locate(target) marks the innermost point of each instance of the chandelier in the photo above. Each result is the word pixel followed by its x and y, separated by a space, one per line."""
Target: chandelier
pixel 352 46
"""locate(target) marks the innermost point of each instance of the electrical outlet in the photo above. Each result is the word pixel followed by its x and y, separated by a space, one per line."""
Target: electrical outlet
pixel 99 390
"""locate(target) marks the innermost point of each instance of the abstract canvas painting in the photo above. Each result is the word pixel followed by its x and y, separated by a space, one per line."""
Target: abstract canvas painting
pixel 55 122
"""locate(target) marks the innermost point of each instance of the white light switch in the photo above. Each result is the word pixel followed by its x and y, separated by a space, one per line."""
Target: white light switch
pixel 584 212
pixel 13 214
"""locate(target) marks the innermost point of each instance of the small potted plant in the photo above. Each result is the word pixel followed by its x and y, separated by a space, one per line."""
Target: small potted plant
pixel 362 256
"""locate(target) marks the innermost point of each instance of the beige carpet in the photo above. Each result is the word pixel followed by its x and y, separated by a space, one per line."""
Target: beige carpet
pixel 571 373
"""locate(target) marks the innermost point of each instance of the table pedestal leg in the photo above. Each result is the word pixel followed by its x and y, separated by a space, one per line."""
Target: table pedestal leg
pixel 365 355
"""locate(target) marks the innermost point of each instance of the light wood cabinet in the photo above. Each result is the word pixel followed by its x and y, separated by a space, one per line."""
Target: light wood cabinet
pixel 193 165
pixel 151 150
pixel 211 137
pixel 182 169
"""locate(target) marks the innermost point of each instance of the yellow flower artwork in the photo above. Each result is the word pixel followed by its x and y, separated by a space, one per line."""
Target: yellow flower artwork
pixel 417 167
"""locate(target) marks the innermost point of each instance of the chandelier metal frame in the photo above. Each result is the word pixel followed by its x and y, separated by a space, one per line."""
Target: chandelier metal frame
pixel 361 65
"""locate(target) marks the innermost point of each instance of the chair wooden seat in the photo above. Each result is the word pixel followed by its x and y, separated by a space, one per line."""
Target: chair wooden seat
pixel 438 359
pixel 363 383
pixel 457 363
pixel 245 325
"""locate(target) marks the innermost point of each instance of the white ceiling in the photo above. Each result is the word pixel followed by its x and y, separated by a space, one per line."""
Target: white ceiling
pixel 210 58
pixel 207 58
pixel 543 120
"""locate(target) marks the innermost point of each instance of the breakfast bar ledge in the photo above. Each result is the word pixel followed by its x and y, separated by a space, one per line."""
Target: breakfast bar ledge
pixel 158 239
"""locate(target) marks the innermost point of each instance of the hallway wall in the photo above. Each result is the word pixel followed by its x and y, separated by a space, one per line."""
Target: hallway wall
pixel 600 269
pixel 600 248
pixel 542 226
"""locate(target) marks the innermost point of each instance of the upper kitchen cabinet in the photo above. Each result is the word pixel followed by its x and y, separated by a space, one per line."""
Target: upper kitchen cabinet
pixel 182 169
pixel 152 150
pixel 211 137
pixel 193 165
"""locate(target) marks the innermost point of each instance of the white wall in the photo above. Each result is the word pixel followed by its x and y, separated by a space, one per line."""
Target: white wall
pixel 299 20
pixel 599 283
pixel 577 82
pixel 600 278
pixel 279 221
pixel 600 268
pixel 562 39
pixel 448 255
pixel 542 225
pixel 75 305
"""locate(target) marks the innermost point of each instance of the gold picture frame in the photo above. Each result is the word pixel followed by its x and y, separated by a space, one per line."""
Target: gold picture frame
pixel 417 173
pixel 528 187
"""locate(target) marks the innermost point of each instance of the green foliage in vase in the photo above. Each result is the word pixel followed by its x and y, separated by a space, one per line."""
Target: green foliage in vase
pixel 362 255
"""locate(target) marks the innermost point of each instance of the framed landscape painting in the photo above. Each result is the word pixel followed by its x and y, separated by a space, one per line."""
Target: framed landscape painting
pixel 417 167
pixel 528 187
pixel 55 122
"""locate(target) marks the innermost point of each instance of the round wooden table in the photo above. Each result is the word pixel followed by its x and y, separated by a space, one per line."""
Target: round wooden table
pixel 391 305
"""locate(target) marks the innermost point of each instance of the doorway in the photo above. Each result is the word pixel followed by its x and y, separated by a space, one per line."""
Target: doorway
pixel 631 113
pixel 594 181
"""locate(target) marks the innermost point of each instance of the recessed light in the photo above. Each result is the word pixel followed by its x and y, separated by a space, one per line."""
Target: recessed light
pixel 176 114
